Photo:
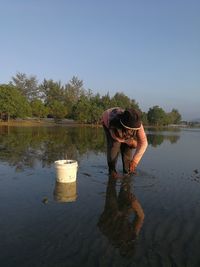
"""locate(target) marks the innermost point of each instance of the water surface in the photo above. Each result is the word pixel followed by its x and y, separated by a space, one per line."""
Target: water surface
pixel 97 221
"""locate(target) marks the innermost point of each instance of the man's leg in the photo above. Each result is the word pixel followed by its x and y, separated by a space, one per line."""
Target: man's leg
pixel 113 149
pixel 126 153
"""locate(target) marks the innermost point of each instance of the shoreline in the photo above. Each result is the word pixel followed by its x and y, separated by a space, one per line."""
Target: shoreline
pixel 34 122
pixel 68 122
pixel 44 122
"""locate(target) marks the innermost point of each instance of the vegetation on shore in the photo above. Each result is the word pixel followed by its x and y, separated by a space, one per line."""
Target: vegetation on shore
pixel 24 97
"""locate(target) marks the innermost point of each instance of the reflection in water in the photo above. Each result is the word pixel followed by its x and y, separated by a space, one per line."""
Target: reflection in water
pixel 65 192
pixel 157 139
pixel 116 221
pixel 24 146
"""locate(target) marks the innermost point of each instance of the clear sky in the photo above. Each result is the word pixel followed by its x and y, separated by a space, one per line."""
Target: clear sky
pixel 147 49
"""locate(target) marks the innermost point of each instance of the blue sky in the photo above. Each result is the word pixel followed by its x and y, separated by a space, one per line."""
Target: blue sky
pixel 148 49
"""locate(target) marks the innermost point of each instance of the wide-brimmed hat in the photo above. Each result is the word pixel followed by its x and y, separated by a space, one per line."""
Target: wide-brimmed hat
pixel 131 119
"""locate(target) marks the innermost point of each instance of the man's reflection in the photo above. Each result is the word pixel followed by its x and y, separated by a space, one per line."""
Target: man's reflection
pixel 116 222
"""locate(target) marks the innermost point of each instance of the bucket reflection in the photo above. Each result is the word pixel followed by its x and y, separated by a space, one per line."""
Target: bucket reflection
pixel 65 192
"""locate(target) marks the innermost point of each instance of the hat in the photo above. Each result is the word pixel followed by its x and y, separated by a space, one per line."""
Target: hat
pixel 130 119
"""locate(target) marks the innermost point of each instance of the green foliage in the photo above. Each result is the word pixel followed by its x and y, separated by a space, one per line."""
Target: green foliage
pixel 144 118
pixel 106 101
pixel 38 108
pixel 72 94
pixel 95 113
pixel 73 101
pixel 57 109
pixel 175 116
pixel 88 109
pixel 123 101
pixel 51 91
pixel 12 103
pixel 28 86
pixel 157 116
pixel 53 97
pixel 82 109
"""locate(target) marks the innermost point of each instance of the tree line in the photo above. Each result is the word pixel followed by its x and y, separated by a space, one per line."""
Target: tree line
pixel 24 97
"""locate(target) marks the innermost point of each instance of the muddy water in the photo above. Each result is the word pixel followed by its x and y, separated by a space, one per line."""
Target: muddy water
pixel 149 219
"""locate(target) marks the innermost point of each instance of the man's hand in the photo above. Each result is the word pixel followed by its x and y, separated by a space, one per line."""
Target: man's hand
pixel 131 142
pixel 132 167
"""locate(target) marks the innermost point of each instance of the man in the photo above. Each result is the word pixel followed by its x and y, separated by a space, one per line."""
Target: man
pixel 124 132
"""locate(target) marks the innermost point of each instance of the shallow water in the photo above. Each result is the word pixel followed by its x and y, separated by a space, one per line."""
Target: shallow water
pixel 96 221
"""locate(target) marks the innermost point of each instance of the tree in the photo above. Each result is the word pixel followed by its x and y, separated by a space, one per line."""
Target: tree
pixel 144 118
pixel 38 108
pixel 175 116
pixel 96 109
pixel 82 109
pixel 12 103
pixel 156 116
pixel 57 110
pixel 106 101
pixel 73 91
pixel 51 91
pixel 123 101
pixel 95 113
pixel 28 86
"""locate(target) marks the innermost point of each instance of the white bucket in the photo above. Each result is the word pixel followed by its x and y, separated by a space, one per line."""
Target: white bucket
pixel 66 170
